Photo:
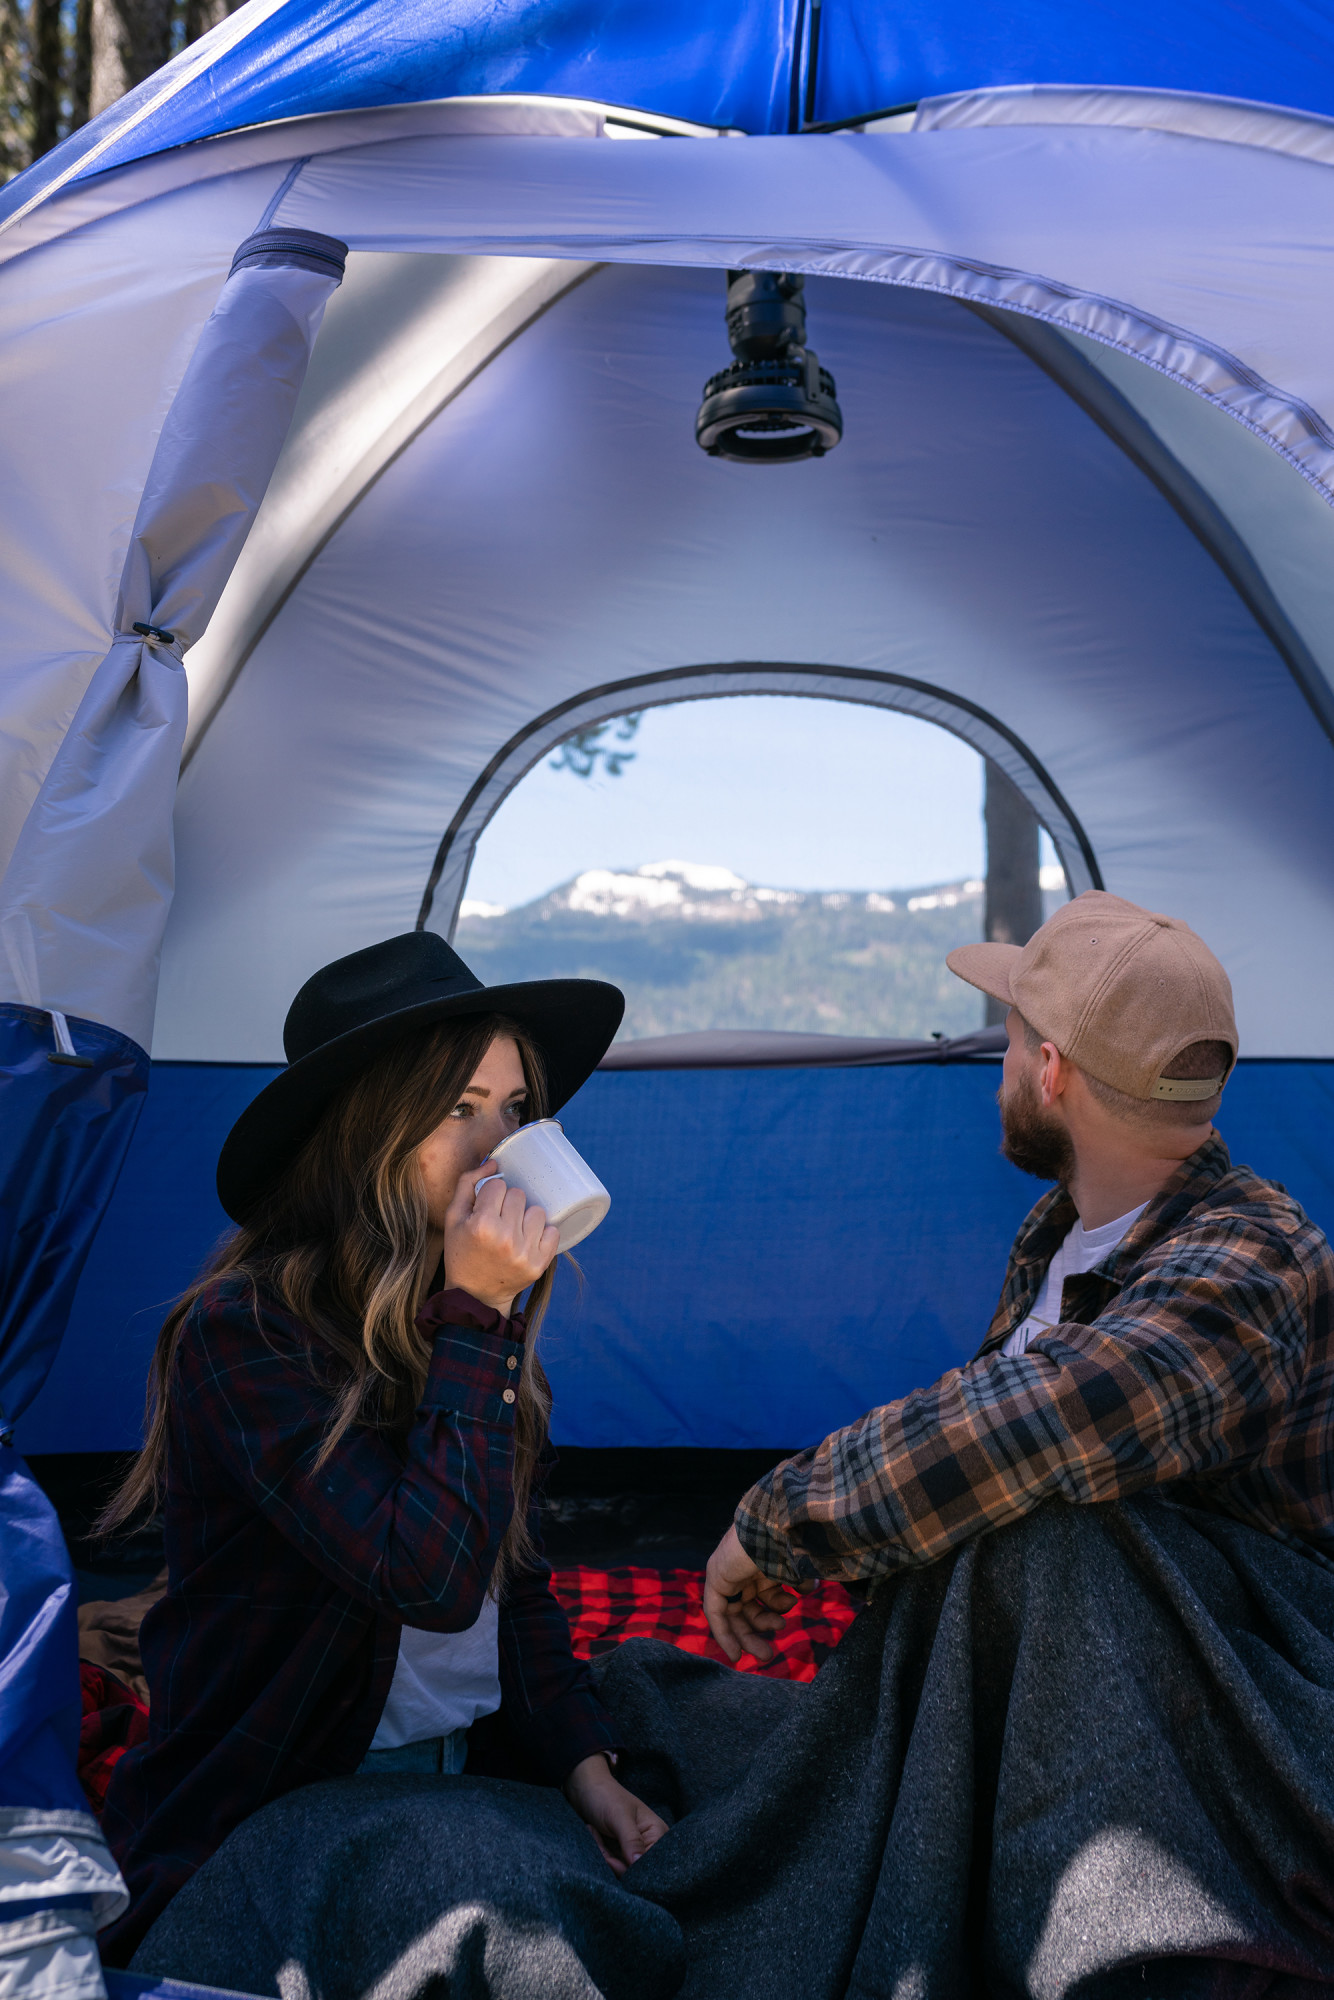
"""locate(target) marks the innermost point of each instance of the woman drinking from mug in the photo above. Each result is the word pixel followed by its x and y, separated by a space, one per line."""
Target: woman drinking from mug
pixel 347 1428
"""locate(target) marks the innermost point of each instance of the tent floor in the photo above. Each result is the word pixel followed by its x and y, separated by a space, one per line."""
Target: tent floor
pixel 655 1508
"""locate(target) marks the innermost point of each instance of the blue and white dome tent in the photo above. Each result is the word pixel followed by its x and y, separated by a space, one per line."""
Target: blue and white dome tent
pixel 1073 270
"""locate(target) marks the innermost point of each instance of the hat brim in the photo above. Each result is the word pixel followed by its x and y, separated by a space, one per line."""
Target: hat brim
pixel 572 1021
pixel 986 966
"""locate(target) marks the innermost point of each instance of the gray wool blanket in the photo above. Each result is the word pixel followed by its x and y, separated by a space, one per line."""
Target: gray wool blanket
pixel 1089 1756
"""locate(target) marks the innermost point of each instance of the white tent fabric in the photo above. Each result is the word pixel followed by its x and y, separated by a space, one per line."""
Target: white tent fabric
pixel 491 523
pixel 59 1863
pixel 1014 217
pixel 84 900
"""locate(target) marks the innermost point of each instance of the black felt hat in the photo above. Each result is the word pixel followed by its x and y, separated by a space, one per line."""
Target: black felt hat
pixel 352 1010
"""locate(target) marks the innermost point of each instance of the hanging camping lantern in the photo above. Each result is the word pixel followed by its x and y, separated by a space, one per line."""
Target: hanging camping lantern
pixel 775 403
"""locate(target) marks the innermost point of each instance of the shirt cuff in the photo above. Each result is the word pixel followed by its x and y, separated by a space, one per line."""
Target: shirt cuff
pixel 455 1307
pixel 759 1531
pixel 473 1375
pixel 573 1726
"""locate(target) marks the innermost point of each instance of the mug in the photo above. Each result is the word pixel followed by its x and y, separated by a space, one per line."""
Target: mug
pixel 540 1160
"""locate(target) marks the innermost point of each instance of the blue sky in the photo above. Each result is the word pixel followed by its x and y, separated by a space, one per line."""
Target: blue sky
pixel 789 791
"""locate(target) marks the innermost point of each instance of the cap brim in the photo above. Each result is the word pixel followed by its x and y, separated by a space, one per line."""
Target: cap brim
pixel 572 1021
pixel 987 966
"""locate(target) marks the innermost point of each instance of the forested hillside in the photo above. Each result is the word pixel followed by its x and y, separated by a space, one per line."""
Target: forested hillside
pixel 697 947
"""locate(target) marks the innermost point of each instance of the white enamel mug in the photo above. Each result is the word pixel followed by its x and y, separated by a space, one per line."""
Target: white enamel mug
pixel 540 1159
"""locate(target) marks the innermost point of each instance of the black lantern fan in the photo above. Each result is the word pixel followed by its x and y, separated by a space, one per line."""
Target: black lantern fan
pixel 775 403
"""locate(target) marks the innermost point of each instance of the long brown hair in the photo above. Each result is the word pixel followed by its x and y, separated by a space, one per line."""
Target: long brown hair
pixel 340 1241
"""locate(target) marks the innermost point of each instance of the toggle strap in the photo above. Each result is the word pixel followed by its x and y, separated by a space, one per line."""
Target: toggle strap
pixel 291 249
pixel 65 1051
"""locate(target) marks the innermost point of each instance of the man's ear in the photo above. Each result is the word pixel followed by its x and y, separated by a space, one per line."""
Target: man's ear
pixel 1051 1074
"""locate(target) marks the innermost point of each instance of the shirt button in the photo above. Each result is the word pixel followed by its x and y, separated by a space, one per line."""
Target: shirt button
pixel 507 1396
pixel 510 1361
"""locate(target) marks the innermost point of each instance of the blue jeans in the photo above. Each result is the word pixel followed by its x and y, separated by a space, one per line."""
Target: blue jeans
pixel 441 1756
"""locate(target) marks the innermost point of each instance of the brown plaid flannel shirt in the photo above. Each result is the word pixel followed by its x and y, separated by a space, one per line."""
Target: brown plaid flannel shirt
pixel 1198 1356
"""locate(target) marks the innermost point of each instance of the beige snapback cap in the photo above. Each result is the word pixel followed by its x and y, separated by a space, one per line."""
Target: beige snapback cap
pixel 1120 990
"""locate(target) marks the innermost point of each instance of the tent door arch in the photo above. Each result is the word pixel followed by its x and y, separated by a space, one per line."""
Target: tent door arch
pixel 985 732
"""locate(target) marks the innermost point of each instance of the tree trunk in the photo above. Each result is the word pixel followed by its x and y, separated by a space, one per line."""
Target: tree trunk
pixel 130 39
pixel 15 109
pixel 201 15
pixel 81 65
pixel 44 64
pixel 1014 888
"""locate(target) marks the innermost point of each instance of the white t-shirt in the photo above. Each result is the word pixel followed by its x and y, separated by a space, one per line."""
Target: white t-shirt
pixel 443 1681
pixel 1081 1250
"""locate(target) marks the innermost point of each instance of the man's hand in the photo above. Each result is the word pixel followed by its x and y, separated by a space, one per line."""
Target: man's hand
pixel 621 1824
pixel 742 1605
pixel 495 1245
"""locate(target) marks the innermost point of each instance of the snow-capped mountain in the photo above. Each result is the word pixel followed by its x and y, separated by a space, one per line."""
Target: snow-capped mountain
pixel 695 945
pixel 705 892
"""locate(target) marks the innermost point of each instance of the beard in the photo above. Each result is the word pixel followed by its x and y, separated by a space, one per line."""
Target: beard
pixel 1031 1138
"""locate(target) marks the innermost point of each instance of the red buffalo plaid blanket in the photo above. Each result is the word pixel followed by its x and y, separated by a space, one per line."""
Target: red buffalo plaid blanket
pixel 605 1606
pixel 114 1718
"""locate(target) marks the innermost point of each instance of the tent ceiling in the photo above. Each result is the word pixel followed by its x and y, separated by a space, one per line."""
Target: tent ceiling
pixel 998 204
pixel 43 215
pixel 1284 522
pixel 1232 122
pixel 492 506
pixel 555 528
pixel 411 331
pixel 1068 360
pixel 1055 222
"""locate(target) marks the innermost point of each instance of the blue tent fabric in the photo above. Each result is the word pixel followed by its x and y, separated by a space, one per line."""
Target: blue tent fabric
pixel 872 1205
pixel 770 66
pixel 64 1130
pixel 39 1674
pixel 898 55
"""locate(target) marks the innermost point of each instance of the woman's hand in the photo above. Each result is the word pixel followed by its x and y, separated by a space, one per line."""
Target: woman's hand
pixel 742 1604
pixel 495 1244
pixel 621 1824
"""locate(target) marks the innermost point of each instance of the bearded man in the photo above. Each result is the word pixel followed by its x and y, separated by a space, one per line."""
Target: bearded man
pixel 1079 1745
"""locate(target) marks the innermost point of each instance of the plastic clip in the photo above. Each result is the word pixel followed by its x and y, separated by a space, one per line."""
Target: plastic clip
pixel 156 632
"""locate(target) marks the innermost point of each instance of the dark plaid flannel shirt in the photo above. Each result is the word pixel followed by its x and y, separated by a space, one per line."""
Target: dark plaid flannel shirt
pixel 270 1657
pixel 1198 1356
